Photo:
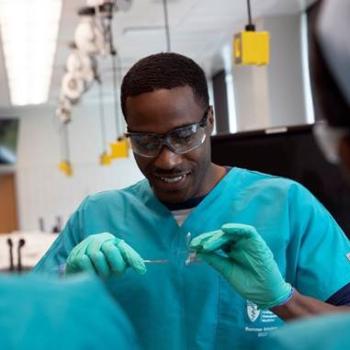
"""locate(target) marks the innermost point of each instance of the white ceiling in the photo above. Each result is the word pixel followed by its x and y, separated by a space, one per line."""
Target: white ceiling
pixel 198 28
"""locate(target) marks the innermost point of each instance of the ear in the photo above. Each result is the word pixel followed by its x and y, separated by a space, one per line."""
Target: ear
pixel 211 119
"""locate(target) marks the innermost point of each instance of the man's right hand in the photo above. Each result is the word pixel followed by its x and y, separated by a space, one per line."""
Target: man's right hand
pixel 104 254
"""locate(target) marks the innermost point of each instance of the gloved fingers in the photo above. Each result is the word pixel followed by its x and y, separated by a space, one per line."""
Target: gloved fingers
pixel 102 237
pixel 74 256
pixel 97 257
pixel 94 245
pixel 84 264
pixel 80 249
pixel 71 268
pixel 238 231
pixel 132 257
pixel 197 242
pixel 91 244
pixel 221 264
pixel 79 257
pixel 248 238
pixel 211 241
pixel 219 240
pixel 114 259
pixel 99 263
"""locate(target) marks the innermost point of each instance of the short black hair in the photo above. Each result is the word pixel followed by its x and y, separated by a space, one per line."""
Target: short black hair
pixel 164 71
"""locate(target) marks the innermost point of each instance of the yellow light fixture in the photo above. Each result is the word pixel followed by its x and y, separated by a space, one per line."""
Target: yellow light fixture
pixel 251 47
pixel 105 159
pixel 119 148
pixel 66 168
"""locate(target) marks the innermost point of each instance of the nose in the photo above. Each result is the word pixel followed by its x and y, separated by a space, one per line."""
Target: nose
pixel 167 159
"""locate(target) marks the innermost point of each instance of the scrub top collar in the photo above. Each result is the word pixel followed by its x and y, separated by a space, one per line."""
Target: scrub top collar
pixel 192 202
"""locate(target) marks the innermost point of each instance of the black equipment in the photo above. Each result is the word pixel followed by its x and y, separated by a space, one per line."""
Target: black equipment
pixel 289 152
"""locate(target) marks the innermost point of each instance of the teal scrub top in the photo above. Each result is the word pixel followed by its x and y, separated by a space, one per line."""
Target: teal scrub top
pixel 326 332
pixel 175 306
pixel 41 313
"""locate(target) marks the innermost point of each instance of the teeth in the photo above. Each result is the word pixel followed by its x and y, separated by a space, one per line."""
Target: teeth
pixel 171 180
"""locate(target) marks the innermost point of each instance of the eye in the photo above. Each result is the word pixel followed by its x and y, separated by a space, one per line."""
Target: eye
pixel 148 142
pixel 184 134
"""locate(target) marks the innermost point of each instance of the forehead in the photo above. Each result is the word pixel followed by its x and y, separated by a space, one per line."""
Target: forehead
pixel 162 110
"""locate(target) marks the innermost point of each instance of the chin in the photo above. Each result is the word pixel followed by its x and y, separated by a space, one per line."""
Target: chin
pixel 172 197
pixel 172 191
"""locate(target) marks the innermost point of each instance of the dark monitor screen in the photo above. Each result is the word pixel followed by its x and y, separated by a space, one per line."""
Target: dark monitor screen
pixel 290 152
pixel 8 140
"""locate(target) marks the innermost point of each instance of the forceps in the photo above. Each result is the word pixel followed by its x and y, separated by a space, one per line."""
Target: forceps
pixel 191 258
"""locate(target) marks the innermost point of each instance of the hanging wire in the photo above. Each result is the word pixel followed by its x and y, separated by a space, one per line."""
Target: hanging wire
pixel 65 147
pixel 250 26
pixel 102 117
pixel 62 142
pixel 118 105
pixel 167 29
pixel 249 12
pixel 114 55
pixel 106 22
pixel 115 98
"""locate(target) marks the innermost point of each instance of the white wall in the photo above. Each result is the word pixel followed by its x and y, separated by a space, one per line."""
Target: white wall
pixel 285 72
pixel 252 97
pixel 45 192
pixel 273 95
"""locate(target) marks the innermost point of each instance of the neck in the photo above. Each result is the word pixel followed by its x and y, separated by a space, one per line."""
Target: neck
pixel 214 174
pixel 219 173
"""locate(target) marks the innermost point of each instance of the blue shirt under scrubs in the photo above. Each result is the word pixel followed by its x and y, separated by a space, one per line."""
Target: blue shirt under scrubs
pixel 179 306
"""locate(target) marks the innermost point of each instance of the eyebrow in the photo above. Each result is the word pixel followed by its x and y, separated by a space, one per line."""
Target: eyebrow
pixel 178 127
pixel 157 133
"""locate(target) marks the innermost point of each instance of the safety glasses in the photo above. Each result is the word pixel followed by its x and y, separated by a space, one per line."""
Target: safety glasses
pixel 180 140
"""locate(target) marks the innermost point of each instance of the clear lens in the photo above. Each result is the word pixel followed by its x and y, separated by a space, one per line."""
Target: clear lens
pixel 146 145
pixel 186 139
pixel 180 141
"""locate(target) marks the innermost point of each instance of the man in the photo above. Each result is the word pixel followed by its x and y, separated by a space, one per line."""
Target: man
pixel 78 313
pixel 270 245
pixel 330 75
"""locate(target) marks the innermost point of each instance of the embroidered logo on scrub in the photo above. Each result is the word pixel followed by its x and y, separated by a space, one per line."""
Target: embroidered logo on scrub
pixel 260 322
pixel 252 311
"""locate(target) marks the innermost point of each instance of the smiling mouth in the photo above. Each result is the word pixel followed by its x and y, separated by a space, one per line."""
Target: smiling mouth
pixel 172 179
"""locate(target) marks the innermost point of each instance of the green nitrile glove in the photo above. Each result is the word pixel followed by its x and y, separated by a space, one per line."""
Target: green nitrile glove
pixel 239 253
pixel 104 254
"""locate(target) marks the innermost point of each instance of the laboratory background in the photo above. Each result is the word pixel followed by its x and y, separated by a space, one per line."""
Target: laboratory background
pixel 61 124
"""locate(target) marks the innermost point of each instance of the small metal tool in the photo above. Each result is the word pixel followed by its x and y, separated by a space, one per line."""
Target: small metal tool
pixel 159 261
pixel 192 256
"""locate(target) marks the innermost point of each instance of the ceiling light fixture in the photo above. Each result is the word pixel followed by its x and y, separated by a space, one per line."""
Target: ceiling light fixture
pixel 29 31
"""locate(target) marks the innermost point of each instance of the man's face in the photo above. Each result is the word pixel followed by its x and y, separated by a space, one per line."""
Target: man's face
pixel 173 177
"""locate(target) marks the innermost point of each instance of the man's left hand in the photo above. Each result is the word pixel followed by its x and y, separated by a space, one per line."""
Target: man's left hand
pixel 239 253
